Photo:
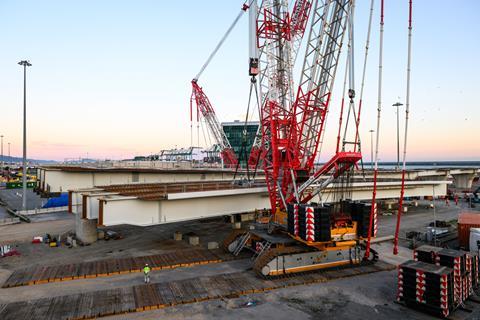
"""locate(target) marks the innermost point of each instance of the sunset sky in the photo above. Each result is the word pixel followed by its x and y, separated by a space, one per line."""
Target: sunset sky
pixel 111 78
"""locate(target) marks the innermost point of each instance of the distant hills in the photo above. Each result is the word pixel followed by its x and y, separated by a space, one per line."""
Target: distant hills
pixel 382 164
pixel 8 159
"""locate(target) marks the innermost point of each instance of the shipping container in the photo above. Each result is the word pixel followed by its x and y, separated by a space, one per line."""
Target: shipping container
pixel 19 185
pixel 467 220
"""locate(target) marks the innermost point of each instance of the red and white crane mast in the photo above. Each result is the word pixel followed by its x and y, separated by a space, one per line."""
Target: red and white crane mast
pixel 314 95
pixel 295 160
pixel 293 33
pixel 273 33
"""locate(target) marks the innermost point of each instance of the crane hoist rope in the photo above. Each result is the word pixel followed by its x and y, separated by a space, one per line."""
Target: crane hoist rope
pixel 407 111
pixel 373 207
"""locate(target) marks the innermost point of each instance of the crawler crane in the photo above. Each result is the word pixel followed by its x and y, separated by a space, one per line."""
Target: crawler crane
pixel 303 235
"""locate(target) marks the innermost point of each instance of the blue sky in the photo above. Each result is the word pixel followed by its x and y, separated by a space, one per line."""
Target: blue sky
pixel 112 78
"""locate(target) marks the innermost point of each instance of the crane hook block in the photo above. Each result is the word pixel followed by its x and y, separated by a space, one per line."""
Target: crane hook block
pixel 253 68
pixel 351 93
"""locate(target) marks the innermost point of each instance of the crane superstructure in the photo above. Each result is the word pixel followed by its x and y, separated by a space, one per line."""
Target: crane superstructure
pixel 292 131
pixel 302 235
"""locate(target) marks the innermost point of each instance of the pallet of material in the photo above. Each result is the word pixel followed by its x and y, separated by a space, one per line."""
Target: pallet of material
pixel 426 287
pixel 426 254
pixel 464 265
pixel 464 268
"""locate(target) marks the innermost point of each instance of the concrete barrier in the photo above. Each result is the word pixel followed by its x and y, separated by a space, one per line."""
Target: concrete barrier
pixel 194 240
pixel 42 210
pixel 212 245
pixel 85 229
pixel 177 236
pixel 7 221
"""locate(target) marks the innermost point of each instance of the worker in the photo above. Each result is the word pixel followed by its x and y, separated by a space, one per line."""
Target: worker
pixel 146 273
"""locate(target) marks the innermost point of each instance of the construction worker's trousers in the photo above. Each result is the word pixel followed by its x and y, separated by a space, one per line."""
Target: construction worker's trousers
pixel 147 277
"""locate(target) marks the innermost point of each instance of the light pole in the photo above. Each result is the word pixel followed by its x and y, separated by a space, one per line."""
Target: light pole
pixel 371 147
pixel 25 64
pixel 398 104
pixel 1 168
pixel 9 162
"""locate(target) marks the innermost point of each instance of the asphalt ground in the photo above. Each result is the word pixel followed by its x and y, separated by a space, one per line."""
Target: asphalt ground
pixel 362 297
pixel 13 199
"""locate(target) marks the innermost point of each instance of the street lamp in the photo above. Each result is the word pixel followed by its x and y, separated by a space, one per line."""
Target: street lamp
pixel 398 104
pixel 1 168
pixel 9 161
pixel 371 148
pixel 25 64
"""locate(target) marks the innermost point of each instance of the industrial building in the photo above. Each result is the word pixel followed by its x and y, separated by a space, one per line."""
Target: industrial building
pixel 241 136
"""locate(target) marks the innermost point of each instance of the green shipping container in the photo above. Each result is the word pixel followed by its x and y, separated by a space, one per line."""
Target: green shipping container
pixel 18 185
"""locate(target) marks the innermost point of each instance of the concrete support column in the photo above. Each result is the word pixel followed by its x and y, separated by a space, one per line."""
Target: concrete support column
pixel 85 229
pixel 464 180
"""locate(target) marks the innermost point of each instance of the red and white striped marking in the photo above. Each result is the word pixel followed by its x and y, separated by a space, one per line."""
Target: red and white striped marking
pixel 420 286
pixel 400 284
pixel 444 293
pixel 310 224
pixel 295 220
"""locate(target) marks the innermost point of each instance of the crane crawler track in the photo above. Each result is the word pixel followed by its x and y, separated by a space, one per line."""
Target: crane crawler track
pixel 268 256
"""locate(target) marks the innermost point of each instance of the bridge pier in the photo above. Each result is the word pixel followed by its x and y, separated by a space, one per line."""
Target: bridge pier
pixel 463 180
pixel 85 229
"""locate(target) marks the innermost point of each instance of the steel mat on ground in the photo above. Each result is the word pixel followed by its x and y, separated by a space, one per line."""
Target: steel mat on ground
pixel 107 267
pixel 160 295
